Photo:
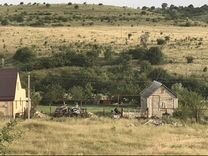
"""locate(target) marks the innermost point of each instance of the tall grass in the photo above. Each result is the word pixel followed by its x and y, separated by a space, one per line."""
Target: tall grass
pixel 107 136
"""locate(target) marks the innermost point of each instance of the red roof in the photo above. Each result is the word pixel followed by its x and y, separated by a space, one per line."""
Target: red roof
pixel 8 79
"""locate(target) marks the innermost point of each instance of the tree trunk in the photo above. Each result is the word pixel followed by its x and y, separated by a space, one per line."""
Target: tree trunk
pixel 197 116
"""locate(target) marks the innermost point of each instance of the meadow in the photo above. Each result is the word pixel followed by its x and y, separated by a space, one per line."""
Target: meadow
pixel 107 136
pixel 184 41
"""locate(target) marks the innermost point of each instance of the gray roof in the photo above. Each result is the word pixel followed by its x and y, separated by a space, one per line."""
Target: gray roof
pixel 152 88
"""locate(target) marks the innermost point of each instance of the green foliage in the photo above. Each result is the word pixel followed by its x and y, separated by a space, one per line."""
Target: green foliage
pixel 24 55
pixel 155 55
pixel 161 41
pixel 48 5
pixel 4 22
pixel 7 136
pixel 36 98
pixel 108 53
pixel 76 7
pixel 138 53
pixel 191 104
pixel 54 93
pixel 145 67
pixel 189 59
pixel 164 5
pixel 205 69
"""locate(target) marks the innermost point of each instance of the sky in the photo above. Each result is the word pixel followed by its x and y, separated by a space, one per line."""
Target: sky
pixel 130 3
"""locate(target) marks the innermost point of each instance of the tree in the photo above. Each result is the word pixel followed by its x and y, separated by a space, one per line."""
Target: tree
pixel 164 5
pixel 36 98
pixel 77 93
pixel 108 53
pixel 145 67
pixel 4 22
pixel 154 55
pixel 144 39
pixel 161 41
pixel 48 5
pixel 191 104
pixel 24 54
pixel 76 7
pixel 189 59
pixel 88 91
pixel 53 93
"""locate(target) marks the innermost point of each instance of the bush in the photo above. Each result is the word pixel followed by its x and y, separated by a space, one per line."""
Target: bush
pixel 154 55
pixel 161 41
pixel 70 3
pixel 138 53
pixel 48 5
pixel 4 22
pixel 189 59
pixel 76 7
pixel 145 66
pixel 24 55
pixel 205 69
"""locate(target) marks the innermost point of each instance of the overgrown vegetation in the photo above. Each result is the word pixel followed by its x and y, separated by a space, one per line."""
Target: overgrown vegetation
pixel 7 135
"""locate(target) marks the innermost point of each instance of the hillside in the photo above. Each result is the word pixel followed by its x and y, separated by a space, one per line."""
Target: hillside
pixel 76 56
pixel 46 41
pixel 88 15
pixel 73 15
pixel 104 136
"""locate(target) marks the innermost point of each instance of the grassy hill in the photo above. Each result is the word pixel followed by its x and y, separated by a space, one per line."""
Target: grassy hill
pixel 73 15
pixel 107 136
pixel 191 41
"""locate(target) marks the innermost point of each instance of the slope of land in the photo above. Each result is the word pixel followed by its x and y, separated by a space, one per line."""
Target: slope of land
pixel 107 136
pixel 191 41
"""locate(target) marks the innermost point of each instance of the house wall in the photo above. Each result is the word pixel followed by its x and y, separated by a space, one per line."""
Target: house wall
pixel 161 101
pixel 143 102
pixel 20 101
pixel 6 108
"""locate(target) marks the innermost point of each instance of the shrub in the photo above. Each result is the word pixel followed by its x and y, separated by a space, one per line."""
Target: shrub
pixel 76 7
pixel 4 22
pixel 189 59
pixel 70 3
pixel 24 55
pixel 205 69
pixel 167 38
pixel 138 53
pixel 161 41
pixel 154 55
pixel 48 5
pixel 145 66
pixel 100 4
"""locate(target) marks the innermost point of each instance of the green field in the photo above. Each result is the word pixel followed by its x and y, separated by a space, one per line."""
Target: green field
pixel 90 108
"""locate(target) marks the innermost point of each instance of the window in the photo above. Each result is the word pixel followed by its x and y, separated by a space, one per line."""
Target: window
pixel 162 105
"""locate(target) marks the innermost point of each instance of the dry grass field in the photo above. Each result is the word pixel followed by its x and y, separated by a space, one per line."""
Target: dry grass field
pixel 107 136
pixel 184 41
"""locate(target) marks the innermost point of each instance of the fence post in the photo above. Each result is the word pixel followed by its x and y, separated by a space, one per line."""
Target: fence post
pixel 103 111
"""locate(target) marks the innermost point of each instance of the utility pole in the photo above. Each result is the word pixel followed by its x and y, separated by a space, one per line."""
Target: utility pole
pixel 2 62
pixel 29 100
